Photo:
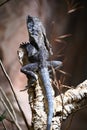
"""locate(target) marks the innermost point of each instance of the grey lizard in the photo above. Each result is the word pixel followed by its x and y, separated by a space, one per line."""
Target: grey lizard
pixel 36 53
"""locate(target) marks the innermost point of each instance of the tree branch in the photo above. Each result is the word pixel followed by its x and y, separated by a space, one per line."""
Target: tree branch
pixel 73 100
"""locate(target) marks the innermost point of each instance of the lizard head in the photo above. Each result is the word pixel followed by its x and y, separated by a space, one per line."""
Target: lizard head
pixel 35 30
pixel 37 33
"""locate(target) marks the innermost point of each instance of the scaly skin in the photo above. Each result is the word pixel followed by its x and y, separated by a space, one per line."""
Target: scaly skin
pixel 36 62
pixel 37 53
pixel 38 39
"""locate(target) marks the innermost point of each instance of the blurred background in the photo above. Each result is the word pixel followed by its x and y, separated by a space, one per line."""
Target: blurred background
pixel 66 26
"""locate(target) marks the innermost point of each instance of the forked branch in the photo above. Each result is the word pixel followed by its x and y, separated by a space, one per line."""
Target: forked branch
pixel 73 100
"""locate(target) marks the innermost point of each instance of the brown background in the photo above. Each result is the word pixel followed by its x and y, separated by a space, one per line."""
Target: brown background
pixel 55 17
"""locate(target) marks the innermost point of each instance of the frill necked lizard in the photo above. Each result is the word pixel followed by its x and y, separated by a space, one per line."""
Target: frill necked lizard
pixel 35 54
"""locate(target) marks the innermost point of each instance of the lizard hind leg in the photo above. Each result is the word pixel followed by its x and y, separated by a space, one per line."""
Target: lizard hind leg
pixel 31 76
pixel 29 71
pixel 56 64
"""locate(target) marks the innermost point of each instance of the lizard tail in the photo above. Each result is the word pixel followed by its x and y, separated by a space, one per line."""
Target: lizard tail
pixel 48 90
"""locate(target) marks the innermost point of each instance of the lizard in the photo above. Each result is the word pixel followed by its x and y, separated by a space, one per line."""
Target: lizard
pixel 37 52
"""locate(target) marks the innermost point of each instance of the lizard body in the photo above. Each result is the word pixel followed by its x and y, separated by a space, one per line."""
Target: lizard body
pixel 39 41
pixel 36 55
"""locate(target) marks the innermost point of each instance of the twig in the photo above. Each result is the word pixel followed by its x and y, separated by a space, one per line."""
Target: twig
pixel 9 103
pixel 2 3
pixel 11 115
pixel 4 125
pixel 11 86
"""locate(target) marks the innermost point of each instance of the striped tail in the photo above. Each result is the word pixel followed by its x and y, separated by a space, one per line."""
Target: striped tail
pixel 48 90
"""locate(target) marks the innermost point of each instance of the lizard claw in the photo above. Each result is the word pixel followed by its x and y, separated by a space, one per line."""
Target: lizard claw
pixel 23 44
pixel 32 82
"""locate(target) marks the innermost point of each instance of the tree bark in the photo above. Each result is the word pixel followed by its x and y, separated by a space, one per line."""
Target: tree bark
pixel 64 104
